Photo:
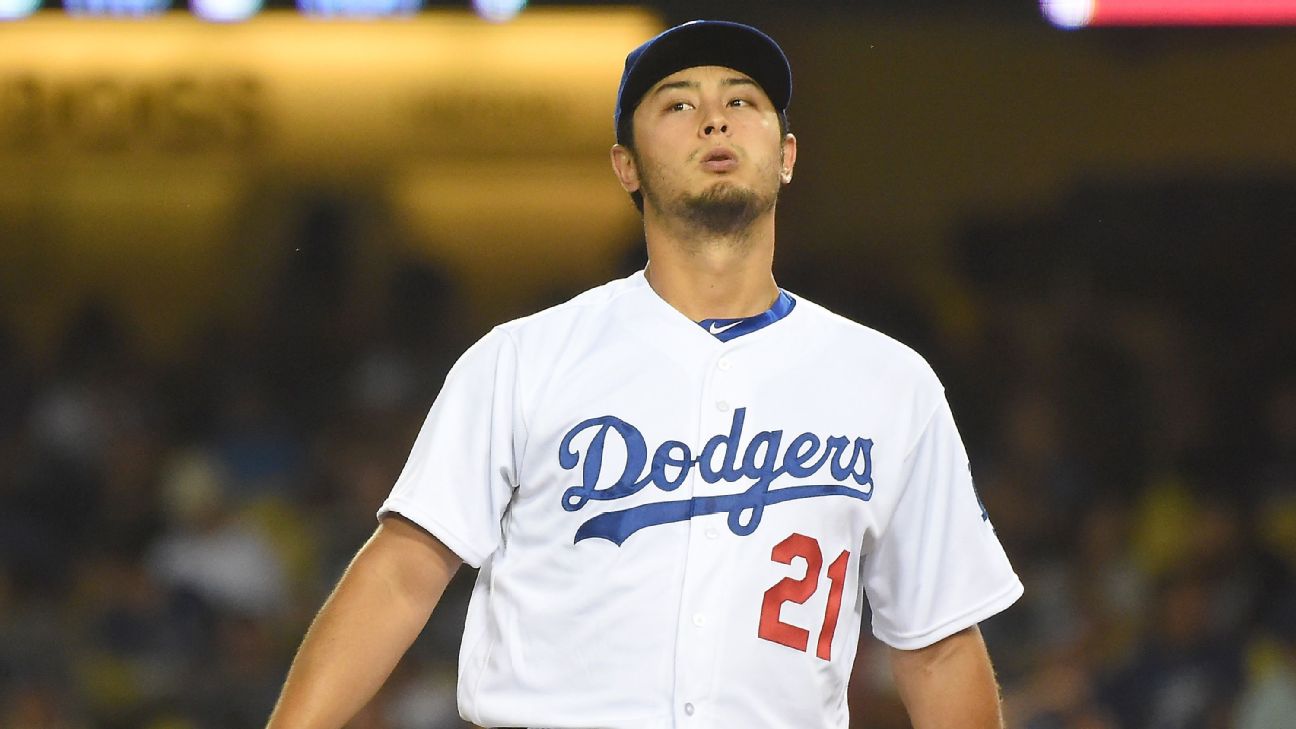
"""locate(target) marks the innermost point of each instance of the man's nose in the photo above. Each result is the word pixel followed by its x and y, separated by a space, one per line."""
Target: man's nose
pixel 715 126
pixel 714 122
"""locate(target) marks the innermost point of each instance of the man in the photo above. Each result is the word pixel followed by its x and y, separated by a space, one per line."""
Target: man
pixel 680 486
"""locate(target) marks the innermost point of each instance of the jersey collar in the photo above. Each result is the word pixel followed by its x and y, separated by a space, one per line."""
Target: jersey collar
pixel 727 329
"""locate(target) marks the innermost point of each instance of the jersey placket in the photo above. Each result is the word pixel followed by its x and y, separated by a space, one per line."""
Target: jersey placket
pixel 706 580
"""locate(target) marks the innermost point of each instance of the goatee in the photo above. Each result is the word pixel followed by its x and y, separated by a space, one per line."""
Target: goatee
pixel 724 209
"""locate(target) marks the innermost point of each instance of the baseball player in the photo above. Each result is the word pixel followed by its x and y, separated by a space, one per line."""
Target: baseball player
pixel 681 487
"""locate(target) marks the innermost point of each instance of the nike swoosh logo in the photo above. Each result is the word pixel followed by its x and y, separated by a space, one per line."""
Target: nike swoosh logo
pixel 715 329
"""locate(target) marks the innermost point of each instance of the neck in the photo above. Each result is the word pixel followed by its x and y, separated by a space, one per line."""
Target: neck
pixel 712 277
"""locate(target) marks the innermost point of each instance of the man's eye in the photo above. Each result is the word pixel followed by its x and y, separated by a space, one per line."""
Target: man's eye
pixel 681 106
pixel 740 102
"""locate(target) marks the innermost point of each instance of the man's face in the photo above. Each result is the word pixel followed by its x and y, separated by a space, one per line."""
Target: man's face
pixel 708 149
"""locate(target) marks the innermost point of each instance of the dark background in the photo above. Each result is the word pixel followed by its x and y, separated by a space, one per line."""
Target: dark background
pixel 1086 233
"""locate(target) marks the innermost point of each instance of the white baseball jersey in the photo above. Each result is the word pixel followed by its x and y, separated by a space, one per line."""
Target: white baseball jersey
pixel 678 531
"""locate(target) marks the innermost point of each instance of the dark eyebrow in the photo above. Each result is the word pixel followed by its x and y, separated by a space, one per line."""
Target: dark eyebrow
pixel 694 85
pixel 675 85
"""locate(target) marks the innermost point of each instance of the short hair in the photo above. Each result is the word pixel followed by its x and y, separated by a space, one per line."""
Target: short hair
pixel 625 132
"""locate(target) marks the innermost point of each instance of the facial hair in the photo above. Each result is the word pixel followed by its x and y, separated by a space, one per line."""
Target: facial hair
pixel 724 210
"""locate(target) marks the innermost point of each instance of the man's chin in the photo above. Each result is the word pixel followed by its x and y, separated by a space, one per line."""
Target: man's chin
pixel 723 188
pixel 725 207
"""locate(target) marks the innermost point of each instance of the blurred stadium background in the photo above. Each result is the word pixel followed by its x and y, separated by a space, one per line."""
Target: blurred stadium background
pixel 236 260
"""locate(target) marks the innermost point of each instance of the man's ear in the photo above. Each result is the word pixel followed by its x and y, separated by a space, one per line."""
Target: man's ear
pixel 789 158
pixel 623 164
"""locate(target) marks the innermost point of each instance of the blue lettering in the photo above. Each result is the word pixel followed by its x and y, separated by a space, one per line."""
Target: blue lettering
pixel 769 441
pixel 799 451
pixel 636 454
pixel 663 458
pixel 731 443
pixel 763 475
pixel 864 455
pixel 762 460
pixel 835 446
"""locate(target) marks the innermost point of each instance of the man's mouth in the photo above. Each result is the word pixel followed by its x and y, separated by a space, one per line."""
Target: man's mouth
pixel 719 160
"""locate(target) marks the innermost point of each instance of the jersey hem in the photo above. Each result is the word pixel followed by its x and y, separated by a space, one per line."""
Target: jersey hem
pixel 459 546
pixel 991 607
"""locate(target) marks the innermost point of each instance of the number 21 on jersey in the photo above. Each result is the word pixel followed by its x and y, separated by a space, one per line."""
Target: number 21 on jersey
pixel 788 589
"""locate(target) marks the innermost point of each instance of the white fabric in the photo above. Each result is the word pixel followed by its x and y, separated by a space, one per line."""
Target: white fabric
pixel 661 626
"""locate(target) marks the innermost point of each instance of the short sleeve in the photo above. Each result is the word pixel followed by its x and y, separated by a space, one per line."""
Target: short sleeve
pixel 937 567
pixel 461 472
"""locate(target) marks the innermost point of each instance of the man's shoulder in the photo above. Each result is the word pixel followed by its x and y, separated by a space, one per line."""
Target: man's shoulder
pixel 857 338
pixel 597 301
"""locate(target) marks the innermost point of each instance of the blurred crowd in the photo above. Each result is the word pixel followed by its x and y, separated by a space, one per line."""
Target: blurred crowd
pixel 1122 371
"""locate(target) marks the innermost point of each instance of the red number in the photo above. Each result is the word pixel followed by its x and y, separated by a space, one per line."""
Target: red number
pixel 788 589
pixel 837 578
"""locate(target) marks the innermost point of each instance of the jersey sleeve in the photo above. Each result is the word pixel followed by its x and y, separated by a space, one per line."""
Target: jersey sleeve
pixel 461 471
pixel 938 567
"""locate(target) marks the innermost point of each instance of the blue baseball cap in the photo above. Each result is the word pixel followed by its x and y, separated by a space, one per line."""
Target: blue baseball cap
pixel 704 43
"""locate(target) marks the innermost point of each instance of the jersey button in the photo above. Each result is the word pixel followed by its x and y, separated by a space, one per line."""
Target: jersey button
pixel 688 709
pixel 712 534
pixel 699 619
pixel 722 406
pixel 724 364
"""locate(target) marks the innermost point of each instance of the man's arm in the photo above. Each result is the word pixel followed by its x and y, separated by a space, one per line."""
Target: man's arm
pixel 949 684
pixel 377 610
